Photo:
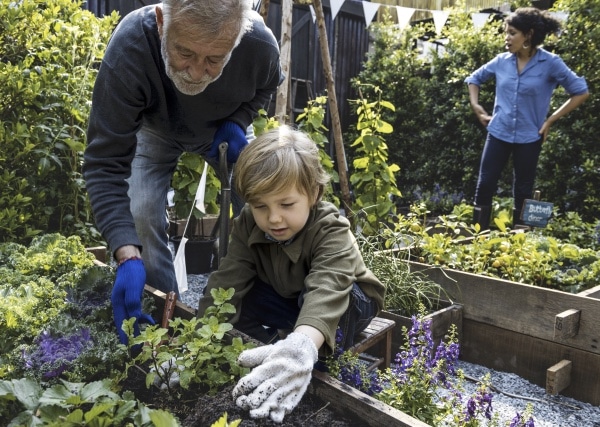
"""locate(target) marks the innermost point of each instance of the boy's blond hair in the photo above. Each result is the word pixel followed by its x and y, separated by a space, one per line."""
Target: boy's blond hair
pixel 280 159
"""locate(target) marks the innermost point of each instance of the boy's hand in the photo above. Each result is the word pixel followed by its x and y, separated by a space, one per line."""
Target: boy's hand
pixel 281 374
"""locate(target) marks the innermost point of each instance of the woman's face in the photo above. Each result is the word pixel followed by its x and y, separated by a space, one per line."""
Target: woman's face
pixel 515 39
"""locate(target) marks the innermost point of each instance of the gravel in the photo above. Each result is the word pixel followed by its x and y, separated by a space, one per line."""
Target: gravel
pixel 548 410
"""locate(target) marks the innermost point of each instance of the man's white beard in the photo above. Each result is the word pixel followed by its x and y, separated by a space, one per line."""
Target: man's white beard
pixel 182 79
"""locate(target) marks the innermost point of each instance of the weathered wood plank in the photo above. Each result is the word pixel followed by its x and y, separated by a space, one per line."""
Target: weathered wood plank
pixel 351 401
pixel 530 357
pixel 592 293
pixel 558 377
pixel 182 310
pixel 517 307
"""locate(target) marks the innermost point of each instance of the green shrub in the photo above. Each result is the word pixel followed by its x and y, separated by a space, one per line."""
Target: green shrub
pixel 49 53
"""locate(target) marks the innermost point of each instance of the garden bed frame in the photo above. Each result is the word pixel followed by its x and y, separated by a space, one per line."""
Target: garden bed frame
pixel 548 337
pixel 545 336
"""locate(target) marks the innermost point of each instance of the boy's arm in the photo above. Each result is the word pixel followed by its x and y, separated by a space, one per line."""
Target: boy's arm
pixel 313 333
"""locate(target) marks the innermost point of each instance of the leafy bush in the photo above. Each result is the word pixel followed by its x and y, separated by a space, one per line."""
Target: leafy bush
pixel 535 258
pixel 55 312
pixel 50 51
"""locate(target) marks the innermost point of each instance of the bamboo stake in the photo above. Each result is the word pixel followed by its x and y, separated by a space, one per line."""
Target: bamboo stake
pixel 333 106
pixel 264 9
pixel 286 59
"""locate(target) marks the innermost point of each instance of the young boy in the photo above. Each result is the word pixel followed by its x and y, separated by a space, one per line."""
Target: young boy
pixel 295 266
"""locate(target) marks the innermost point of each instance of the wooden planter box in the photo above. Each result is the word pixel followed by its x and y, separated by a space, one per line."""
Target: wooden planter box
pixel 340 396
pixel 549 337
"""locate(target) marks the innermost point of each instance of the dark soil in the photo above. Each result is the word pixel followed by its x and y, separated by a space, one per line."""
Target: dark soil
pixel 194 408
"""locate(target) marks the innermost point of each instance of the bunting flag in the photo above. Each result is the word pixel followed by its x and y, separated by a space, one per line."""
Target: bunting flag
pixel 439 19
pixel 369 9
pixel 336 5
pixel 561 16
pixel 479 19
pixel 404 15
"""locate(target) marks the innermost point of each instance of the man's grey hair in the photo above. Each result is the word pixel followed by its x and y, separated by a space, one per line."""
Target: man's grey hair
pixel 209 18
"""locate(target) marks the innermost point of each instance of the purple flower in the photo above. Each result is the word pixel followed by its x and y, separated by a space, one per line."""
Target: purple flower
pixel 54 354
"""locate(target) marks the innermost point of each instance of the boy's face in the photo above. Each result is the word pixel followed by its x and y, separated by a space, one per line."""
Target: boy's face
pixel 282 215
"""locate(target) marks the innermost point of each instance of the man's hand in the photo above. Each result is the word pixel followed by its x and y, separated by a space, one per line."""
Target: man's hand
pixel 126 296
pixel 234 135
pixel 281 374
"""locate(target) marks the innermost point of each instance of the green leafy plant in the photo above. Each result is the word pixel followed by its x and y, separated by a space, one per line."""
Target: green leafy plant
pixel 50 53
pixel 535 258
pixel 222 422
pixel 373 179
pixel 85 404
pixel 311 122
pixel 195 352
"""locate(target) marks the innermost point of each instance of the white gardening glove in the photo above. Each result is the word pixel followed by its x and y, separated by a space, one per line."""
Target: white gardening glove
pixel 281 374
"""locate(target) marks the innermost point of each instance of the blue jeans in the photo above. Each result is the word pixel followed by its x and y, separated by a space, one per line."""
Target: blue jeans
pixel 495 156
pixel 263 307
pixel 151 170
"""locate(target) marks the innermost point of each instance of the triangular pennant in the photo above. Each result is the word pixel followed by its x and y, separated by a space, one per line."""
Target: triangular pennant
pixel 336 5
pixel 404 15
pixel 561 16
pixel 439 19
pixel 369 9
pixel 312 13
pixel 479 19
pixel 180 267
pixel 199 200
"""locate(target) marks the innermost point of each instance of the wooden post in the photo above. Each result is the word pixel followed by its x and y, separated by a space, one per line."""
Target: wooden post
pixel 558 377
pixel 264 9
pixel 566 324
pixel 281 104
pixel 333 107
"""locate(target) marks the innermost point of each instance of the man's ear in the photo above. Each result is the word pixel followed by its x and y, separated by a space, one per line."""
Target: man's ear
pixel 159 20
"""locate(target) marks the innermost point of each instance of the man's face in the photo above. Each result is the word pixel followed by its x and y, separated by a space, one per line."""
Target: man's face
pixel 193 62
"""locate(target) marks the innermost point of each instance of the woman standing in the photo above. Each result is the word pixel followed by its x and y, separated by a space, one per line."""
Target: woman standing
pixel 526 76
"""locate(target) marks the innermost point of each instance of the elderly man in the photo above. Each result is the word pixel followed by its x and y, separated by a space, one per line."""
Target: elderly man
pixel 183 75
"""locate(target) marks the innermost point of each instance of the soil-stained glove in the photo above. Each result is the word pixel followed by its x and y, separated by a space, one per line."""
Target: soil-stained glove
pixel 126 296
pixel 234 135
pixel 281 374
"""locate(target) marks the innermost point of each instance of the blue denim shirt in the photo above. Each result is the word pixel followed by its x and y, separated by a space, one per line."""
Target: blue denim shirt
pixel 523 99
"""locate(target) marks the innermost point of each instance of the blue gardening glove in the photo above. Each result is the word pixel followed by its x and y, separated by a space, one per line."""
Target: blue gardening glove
pixel 126 296
pixel 281 374
pixel 234 135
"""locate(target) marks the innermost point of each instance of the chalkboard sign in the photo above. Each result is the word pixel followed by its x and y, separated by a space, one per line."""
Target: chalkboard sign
pixel 536 213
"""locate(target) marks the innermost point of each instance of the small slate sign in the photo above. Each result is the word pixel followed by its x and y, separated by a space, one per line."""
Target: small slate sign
pixel 536 213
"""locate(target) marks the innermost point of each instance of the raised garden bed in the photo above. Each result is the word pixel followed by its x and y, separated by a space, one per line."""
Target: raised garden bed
pixel 546 336
pixel 329 392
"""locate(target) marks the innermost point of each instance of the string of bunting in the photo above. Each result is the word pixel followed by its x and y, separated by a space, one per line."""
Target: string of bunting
pixel 405 14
